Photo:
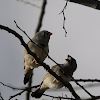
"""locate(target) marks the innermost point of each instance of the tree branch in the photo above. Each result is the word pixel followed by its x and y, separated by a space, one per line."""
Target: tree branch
pixel 37 30
pixel 64 17
pixel 16 95
pixel 41 16
pixel 11 86
pixel 1 96
pixel 29 85
pixel 25 88
pixel 14 88
pixel 37 59
pixel 54 61
pixel 94 98
pixel 87 80
pixel 29 3
pixel 90 3
pixel 65 36
pixel 59 97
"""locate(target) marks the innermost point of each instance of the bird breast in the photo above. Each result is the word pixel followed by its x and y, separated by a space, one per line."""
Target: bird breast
pixel 40 53
pixel 51 82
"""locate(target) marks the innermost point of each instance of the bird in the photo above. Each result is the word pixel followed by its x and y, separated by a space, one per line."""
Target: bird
pixel 65 71
pixel 90 3
pixel 41 44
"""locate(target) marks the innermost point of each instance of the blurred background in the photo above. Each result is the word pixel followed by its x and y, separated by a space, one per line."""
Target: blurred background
pixel 82 43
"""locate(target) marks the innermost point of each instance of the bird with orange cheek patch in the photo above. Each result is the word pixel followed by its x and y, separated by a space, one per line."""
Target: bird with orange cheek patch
pixel 41 39
pixel 50 82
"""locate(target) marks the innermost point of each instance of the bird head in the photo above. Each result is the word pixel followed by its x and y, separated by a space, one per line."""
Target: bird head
pixel 42 37
pixel 72 62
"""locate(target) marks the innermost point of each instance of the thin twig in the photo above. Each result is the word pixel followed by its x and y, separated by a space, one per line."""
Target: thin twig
pixel 1 97
pixel 87 80
pixel 83 88
pixel 64 17
pixel 58 97
pixel 94 98
pixel 25 88
pixel 87 86
pixel 29 3
pixel 38 61
pixel 11 86
pixel 16 95
pixel 36 44
pixel 41 16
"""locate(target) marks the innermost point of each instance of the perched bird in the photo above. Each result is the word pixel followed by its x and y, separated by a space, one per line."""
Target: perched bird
pixel 41 39
pixel 50 82
pixel 90 3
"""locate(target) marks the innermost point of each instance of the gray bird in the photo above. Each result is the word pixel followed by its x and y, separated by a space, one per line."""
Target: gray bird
pixel 50 82
pixel 41 39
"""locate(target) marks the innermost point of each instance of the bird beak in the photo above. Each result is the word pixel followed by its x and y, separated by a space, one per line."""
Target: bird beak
pixel 69 58
pixel 49 34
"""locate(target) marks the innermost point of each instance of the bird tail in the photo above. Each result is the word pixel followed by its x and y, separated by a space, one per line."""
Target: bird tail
pixel 39 92
pixel 27 75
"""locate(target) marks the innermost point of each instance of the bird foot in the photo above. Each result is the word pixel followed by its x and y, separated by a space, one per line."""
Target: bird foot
pixel 55 80
pixel 34 61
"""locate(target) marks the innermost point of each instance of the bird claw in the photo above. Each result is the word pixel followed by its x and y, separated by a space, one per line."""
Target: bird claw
pixel 55 80
pixel 34 61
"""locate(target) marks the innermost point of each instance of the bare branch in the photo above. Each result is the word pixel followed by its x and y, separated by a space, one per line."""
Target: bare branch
pixel 29 3
pixel 65 36
pixel 55 62
pixel 87 80
pixel 38 61
pixel 14 88
pixel 1 96
pixel 10 86
pixel 94 98
pixel 27 89
pixel 92 85
pixel 29 85
pixel 59 97
pixel 64 17
pixel 41 16
pixel 16 95
pixel 90 3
